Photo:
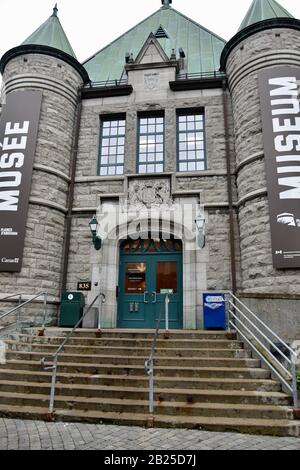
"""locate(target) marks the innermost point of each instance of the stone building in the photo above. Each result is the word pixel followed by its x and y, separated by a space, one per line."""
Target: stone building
pixel 159 135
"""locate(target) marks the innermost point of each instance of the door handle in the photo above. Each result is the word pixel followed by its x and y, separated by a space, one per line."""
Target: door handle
pixel 155 297
pixel 145 294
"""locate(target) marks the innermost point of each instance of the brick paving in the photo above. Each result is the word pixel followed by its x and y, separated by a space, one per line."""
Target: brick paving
pixel 17 434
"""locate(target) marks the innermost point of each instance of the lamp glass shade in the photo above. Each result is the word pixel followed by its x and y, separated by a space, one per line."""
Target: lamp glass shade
pixel 93 225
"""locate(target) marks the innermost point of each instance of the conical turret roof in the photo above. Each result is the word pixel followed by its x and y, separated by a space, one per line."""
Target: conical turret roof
pixel 51 34
pixel 261 10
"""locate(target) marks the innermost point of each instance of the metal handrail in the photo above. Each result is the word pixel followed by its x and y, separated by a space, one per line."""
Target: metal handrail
pixel 12 296
pixel 287 376
pixel 19 307
pixel 149 363
pixel 54 357
pixel 19 295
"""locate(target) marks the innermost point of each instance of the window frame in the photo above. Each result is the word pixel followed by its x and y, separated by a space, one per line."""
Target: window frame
pixel 190 112
pixel 110 118
pixel 149 115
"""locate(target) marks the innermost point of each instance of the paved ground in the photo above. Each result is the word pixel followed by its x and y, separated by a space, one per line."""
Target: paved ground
pixel 35 435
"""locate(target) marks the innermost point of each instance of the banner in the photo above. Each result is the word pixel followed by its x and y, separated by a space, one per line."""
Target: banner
pixel 280 109
pixel 18 134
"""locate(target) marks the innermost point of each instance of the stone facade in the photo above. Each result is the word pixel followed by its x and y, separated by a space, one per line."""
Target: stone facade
pixel 233 143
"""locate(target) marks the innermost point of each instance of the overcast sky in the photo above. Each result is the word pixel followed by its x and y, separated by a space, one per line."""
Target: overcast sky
pixel 92 24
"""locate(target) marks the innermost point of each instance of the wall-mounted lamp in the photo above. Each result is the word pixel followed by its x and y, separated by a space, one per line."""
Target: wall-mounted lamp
pixel 94 227
pixel 200 224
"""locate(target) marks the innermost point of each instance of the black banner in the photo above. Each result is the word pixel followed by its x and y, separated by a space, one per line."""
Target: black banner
pixel 18 134
pixel 280 108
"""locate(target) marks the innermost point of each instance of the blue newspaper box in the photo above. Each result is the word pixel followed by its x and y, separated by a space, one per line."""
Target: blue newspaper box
pixel 214 311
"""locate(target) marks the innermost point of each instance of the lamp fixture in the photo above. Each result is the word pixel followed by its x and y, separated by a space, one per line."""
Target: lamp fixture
pixel 200 224
pixel 94 228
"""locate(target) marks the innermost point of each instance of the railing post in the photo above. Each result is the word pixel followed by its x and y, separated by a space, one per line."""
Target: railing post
pixel 19 313
pixel 151 389
pixel 167 311
pixel 100 312
pixel 53 384
pixel 294 382
pixel 45 309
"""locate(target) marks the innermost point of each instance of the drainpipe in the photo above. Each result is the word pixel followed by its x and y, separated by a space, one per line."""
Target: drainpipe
pixel 229 190
pixel 71 194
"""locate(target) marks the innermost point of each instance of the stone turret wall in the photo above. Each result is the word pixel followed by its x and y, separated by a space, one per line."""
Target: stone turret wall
pixel 270 48
pixel 44 241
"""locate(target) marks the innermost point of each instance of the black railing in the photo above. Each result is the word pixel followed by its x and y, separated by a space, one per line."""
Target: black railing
pixel 200 75
pixel 107 83
pixel 180 76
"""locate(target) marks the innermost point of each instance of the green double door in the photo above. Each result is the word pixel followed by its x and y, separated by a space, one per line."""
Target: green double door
pixel 142 277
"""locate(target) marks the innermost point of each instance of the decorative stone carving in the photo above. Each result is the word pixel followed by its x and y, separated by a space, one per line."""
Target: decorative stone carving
pixel 150 193
pixel 151 81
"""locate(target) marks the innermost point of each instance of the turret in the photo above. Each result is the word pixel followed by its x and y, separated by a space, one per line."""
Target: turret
pixel 266 45
pixel 45 66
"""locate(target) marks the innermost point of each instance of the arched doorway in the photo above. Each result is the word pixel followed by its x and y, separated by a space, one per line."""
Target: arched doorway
pixel 147 267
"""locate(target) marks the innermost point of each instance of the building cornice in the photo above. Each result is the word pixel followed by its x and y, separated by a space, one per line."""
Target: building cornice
pixel 289 23
pixel 45 50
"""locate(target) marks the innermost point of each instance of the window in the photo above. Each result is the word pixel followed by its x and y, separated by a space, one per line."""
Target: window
pixel 151 144
pixel 112 146
pixel 191 142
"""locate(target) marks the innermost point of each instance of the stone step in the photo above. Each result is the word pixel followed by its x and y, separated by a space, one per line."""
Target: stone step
pixel 232 397
pixel 97 360
pixel 181 408
pixel 132 334
pixel 132 371
pixel 141 342
pixel 273 427
pixel 133 352
pixel 161 407
pixel 128 355
pixel 66 376
pixel 90 385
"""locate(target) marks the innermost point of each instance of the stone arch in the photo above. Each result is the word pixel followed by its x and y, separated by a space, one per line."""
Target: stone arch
pixel 109 272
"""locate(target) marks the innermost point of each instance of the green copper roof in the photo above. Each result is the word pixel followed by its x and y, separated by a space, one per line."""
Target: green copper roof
pixel 51 34
pixel 261 10
pixel 202 48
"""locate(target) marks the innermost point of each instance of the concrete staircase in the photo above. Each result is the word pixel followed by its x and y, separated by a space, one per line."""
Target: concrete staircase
pixel 203 380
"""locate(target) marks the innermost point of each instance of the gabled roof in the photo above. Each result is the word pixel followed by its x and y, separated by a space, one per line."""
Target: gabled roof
pixel 51 34
pixel 261 10
pixel 151 52
pixel 202 48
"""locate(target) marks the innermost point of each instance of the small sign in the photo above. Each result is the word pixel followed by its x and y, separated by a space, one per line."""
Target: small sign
pixel 84 286
pixel 167 291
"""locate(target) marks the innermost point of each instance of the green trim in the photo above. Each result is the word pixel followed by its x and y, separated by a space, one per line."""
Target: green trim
pixel 289 23
pixel 45 50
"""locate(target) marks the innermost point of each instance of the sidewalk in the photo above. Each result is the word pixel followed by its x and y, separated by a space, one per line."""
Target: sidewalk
pixel 36 435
